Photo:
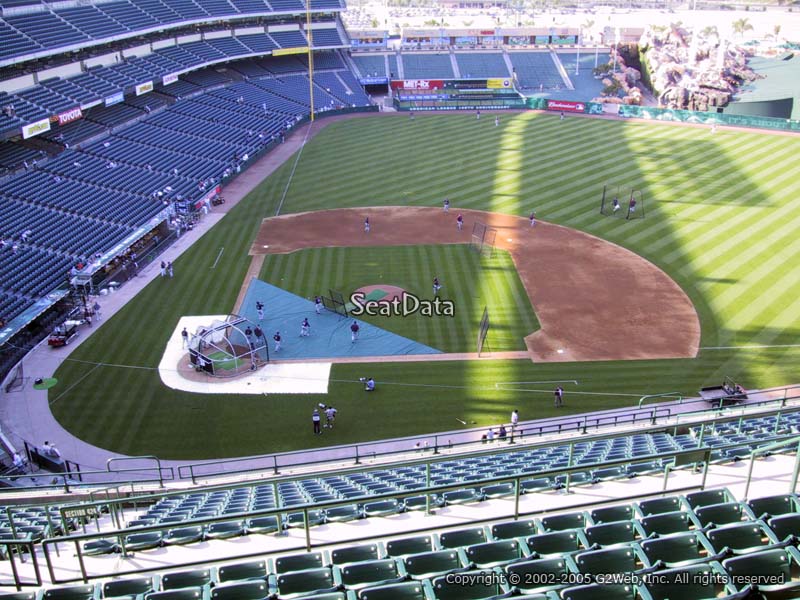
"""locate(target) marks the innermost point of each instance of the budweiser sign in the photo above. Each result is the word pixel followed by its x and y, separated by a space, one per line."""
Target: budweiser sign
pixel 566 105
pixel 69 116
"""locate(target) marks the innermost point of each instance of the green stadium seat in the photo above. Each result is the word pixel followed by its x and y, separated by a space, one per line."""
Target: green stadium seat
pixel 262 525
pixel 657 506
pixel 183 535
pixel 773 506
pixel 189 593
pixel 306 583
pixel 420 502
pixel 495 554
pixel 513 529
pixel 432 564
pixel 383 508
pixel 462 496
pixel 695 582
pixel 299 562
pixel 740 538
pixel 498 490
pixel 613 591
pixel 351 554
pixel 610 534
pixel 457 590
pixel 709 497
pixel 610 514
pixel 315 517
pixel 256 569
pixel 463 537
pixel 644 468
pixel 185 579
pixel 539 575
pixel 566 521
pixel 18 596
pixel 342 514
pixel 225 530
pixel 622 559
pixel 410 545
pixel 99 547
pixel 676 551
pixel 327 596
pixel 666 523
pixel 540 484
pixel 609 473
pixel 721 514
pixel 133 588
pixel 568 541
pixel 143 541
pixel 243 590
pixel 785 526
pixel 356 576
pixel 781 565
pixel 70 592
pixel 409 590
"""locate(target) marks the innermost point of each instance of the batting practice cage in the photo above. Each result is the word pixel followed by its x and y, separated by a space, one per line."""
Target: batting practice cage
pixel 335 302
pixel 616 202
pixel 229 347
pixel 483 329
pixel 483 237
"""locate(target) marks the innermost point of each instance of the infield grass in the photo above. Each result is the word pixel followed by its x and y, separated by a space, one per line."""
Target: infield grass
pixel 723 211
pixel 469 280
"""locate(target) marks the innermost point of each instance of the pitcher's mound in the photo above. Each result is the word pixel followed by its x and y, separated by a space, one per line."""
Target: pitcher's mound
pixel 381 293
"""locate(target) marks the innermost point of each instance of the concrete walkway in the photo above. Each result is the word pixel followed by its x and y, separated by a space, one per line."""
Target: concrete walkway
pixel 25 413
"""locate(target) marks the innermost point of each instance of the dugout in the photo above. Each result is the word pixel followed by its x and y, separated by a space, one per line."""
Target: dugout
pixel 228 347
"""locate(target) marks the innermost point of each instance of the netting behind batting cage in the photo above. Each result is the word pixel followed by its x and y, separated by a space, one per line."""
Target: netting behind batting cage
pixel 478 233
pixel 610 201
pixel 483 329
pixel 335 302
pixel 635 205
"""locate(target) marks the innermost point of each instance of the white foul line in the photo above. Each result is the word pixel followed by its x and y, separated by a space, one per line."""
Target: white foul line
pixel 753 347
pixel 221 250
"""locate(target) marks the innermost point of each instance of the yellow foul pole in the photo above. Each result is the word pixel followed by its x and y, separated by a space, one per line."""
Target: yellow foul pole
pixel 310 36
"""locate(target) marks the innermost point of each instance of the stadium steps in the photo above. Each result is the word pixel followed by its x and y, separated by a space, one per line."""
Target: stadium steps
pixel 561 70
pixel 454 63
pixel 400 71
pixel 507 60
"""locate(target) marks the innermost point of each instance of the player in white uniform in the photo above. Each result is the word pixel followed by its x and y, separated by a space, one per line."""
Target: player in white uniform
pixel 318 304
pixel 305 328
pixel 277 338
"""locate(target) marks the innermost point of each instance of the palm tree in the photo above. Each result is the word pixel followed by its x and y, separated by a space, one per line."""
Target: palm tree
pixel 739 26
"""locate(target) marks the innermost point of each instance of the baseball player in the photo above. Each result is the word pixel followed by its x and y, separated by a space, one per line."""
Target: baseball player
pixel 354 332
pixel 631 208
pixel 446 204
pixel 366 225
pixel 260 310
pixel 305 328
pixel 533 218
pixel 460 222
pixel 497 121
pixel 558 395
pixel 277 338
pixel 315 420
pixel 318 304
pixel 615 205
pixel 330 417
pixel 436 285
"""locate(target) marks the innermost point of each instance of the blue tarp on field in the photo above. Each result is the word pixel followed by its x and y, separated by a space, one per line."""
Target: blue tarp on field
pixel 330 332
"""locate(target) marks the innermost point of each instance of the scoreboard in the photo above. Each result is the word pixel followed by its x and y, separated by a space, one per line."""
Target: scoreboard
pixel 455 94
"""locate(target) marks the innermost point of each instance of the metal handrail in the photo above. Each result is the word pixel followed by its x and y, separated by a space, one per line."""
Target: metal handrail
pixel 305 508
pixel 157 460
pixel 795 440
pixel 664 395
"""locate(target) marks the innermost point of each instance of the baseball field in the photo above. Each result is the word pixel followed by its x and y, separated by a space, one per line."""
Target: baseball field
pixel 722 211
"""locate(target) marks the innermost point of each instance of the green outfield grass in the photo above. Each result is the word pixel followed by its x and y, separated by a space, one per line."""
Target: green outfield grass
pixel 722 209
pixel 469 280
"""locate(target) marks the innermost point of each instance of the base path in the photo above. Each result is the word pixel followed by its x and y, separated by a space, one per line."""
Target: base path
pixel 594 300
